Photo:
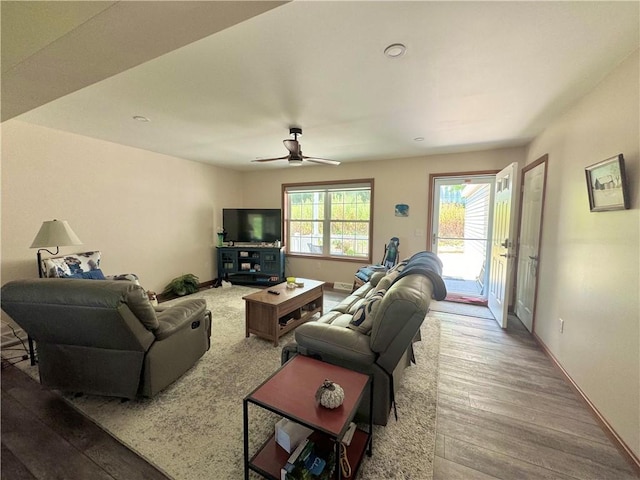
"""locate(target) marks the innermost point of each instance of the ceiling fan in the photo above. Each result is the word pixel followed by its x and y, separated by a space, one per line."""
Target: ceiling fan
pixel 295 156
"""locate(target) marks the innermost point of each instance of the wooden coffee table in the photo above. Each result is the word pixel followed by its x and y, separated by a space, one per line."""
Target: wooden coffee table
pixel 270 316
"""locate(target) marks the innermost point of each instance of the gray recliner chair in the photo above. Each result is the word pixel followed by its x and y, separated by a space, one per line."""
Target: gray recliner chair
pixel 104 337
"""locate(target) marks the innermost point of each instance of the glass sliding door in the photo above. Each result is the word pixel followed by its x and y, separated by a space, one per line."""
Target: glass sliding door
pixel 462 216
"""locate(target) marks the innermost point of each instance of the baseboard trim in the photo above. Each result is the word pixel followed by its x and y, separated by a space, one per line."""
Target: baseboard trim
pixel 620 444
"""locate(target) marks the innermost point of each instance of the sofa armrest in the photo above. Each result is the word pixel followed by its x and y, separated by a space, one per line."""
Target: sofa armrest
pixel 180 316
pixel 132 277
pixel 334 341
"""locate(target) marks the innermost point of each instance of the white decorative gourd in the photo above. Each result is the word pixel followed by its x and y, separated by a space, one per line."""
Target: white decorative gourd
pixel 329 394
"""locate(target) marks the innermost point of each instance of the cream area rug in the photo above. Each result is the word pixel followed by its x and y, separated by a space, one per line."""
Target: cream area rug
pixel 193 429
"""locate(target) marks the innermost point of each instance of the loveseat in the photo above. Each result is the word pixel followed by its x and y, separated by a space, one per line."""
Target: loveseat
pixel 372 330
pixel 104 337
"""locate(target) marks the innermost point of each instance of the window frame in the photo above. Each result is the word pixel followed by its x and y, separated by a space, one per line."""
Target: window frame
pixel 323 186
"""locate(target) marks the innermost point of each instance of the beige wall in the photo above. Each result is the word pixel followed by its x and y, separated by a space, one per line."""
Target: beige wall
pixel 149 214
pixel 396 181
pixel 590 261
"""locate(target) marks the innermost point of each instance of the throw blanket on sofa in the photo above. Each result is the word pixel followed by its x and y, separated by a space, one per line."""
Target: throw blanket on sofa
pixel 429 265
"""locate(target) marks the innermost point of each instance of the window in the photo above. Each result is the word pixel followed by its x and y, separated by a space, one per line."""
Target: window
pixel 329 220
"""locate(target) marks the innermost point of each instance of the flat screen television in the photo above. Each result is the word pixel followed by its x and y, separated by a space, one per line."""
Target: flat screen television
pixel 252 225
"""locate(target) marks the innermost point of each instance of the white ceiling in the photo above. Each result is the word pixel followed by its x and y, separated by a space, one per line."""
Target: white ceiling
pixel 476 75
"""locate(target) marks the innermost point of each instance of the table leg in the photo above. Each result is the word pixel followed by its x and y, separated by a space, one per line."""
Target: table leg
pixel 370 449
pixel 32 353
pixel 276 333
pixel 275 324
pixel 247 307
pixel 245 420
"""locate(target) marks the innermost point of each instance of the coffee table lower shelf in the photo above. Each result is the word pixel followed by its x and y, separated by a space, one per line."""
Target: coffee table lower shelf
pixel 271 457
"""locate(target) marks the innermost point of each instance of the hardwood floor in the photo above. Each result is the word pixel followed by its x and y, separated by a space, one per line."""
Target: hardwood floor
pixel 45 438
pixel 504 412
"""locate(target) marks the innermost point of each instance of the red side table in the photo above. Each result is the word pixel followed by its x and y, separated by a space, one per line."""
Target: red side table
pixel 290 392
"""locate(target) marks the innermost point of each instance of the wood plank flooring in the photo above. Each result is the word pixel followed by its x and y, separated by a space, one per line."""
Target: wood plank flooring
pixel 45 438
pixel 504 412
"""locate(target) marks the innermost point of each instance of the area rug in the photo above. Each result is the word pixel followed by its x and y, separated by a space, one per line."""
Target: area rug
pixel 461 309
pixel 193 429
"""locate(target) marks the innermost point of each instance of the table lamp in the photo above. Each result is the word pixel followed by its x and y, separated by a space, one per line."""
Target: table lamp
pixel 53 233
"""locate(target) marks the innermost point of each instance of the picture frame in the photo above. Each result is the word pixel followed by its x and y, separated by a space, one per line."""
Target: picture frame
pixel 607 185
pixel 401 210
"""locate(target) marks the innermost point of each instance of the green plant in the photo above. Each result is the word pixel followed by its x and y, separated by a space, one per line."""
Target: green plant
pixel 451 225
pixel 183 285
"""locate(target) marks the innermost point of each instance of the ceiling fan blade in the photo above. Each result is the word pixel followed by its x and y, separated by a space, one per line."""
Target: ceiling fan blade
pixel 292 145
pixel 321 160
pixel 270 159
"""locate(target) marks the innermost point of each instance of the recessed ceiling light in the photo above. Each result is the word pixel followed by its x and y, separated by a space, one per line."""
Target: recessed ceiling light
pixel 140 118
pixel 395 50
pixel 418 139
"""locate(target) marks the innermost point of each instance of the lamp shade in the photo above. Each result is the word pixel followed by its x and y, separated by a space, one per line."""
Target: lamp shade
pixel 55 233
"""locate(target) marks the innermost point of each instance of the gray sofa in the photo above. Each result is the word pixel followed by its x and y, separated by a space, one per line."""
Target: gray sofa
pixel 372 331
pixel 104 337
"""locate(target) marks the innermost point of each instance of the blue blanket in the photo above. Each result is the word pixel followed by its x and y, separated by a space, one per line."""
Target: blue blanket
pixel 429 265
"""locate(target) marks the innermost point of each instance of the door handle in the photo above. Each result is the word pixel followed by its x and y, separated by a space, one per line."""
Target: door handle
pixel 505 244
pixel 535 257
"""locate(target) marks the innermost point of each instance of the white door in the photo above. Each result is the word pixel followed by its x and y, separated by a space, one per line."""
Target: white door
pixel 502 243
pixel 529 243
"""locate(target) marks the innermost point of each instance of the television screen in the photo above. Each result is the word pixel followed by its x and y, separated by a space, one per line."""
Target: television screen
pixel 252 225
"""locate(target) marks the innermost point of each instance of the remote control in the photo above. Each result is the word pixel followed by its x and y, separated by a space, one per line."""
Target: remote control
pixel 273 292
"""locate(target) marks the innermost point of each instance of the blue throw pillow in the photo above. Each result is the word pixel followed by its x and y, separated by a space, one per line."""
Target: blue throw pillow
pixel 91 275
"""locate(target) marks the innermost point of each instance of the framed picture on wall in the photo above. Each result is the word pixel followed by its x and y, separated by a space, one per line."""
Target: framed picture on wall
pixel 402 210
pixel 607 185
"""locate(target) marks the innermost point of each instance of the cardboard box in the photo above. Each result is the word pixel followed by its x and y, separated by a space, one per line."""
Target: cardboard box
pixel 289 434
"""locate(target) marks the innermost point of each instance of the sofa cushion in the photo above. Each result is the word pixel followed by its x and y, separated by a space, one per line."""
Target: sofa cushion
pixel 345 305
pixel 364 316
pixel 329 317
pixel 342 320
pixel 376 277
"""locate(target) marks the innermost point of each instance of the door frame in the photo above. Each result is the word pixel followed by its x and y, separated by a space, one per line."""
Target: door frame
pixel 543 159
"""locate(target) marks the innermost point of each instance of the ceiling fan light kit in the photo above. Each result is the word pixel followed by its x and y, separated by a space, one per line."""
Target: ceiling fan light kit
pixel 295 157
